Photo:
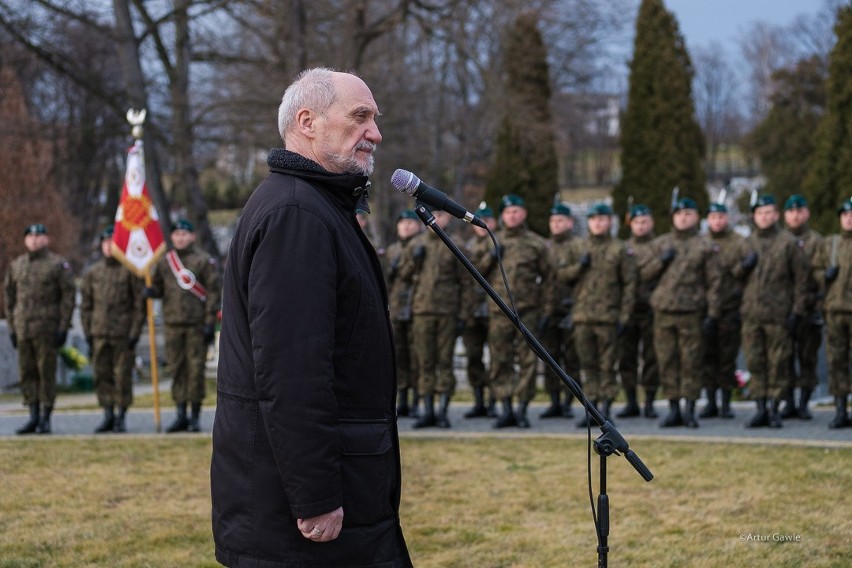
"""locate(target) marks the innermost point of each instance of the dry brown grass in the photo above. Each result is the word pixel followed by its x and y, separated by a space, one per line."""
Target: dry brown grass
pixel 482 502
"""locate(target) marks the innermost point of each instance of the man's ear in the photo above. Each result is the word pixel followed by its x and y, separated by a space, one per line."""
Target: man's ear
pixel 305 119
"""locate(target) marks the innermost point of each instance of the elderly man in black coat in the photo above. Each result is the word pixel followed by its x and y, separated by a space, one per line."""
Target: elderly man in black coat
pixel 306 469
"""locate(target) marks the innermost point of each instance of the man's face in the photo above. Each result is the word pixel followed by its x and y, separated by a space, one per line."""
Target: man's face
pixel 560 224
pixel 600 224
pixel 641 225
pixel 106 247
pixel 513 216
pixel 406 228
pixel 846 220
pixel 347 134
pixel 717 221
pixel 35 242
pixel 490 221
pixel 795 218
pixel 685 219
pixel 442 218
pixel 181 239
pixel 765 216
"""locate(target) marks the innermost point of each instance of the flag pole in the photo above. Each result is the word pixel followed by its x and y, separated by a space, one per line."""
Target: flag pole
pixel 152 345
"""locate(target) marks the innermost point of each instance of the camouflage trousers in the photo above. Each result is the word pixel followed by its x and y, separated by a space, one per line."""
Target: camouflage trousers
pixel 186 352
pixel 37 365
pixel 720 353
pixel 680 347
pixel 559 342
pixel 767 348
pixel 474 337
pixel 406 368
pixel 839 352
pixel 637 344
pixel 506 344
pixel 112 364
pixel 803 361
pixel 434 342
pixel 597 346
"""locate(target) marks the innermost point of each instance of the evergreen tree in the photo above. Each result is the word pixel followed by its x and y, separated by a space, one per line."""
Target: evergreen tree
pixel 525 155
pixel 829 179
pixel 661 142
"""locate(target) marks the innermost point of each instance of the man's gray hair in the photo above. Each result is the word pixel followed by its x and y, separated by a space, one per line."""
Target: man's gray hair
pixel 312 89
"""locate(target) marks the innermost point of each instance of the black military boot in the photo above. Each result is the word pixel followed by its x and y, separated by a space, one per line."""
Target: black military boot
pixel 555 409
pixel 566 406
pixel 441 420
pixel 402 408
pixel 478 410
pixel 774 413
pixel 427 417
pixel 32 424
pixel 650 395
pixel 181 423
pixel 841 418
pixel 120 426
pixel 674 417
pixel 492 407
pixel 44 422
pixel 414 409
pixel 711 410
pixel 108 423
pixel 789 406
pixel 804 398
pixel 507 418
pixel 631 409
pixel 760 419
pixel 521 415
pixel 726 411
pixel 195 417
pixel 689 419
pixel 586 418
pixel 606 407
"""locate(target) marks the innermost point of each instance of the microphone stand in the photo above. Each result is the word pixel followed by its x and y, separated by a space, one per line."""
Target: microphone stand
pixel 610 442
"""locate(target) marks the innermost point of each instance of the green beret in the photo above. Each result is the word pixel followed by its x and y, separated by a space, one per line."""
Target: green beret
pixel 406 214
pixel 561 209
pixel 359 211
pixel 845 206
pixel 107 233
pixel 685 203
pixel 795 201
pixel 717 208
pixel 512 200
pixel 484 211
pixel 639 210
pixel 599 209
pixel 183 225
pixel 35 229
pixel 765 199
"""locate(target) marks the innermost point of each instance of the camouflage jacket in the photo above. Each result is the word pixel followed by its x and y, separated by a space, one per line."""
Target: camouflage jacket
pixel 111 301
pixel 643 251
pixel 181 307
pixel 435 275
pixel 810 241
pixel 475 300
pixel 835 250
pixel 399 291
pixel 39 294
pixel 691 282
pixel 562 251
pixel 778 284
pixel 731 249
pixel 605 291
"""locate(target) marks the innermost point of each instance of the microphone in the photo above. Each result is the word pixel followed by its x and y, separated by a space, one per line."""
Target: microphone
pixel 410 184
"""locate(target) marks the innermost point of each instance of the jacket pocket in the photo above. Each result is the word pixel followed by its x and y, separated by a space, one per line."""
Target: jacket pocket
pixel 368 471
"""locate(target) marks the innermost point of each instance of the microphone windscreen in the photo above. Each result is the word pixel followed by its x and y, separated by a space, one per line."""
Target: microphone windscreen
pixel 405 181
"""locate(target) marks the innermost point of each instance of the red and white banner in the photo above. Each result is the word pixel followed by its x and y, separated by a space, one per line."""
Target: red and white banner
pixel 138 239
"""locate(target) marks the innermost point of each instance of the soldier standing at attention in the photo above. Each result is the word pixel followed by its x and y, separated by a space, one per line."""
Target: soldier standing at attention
pixel 808 336
pixel 833 269
pixel 773 304
pixel 112 312
pixel 435 275
pixel 604 278
pixel 721 349
pixel 399 300
pixel 637 342
pixel 686 305
pixel 39 304
pixel 524 256
pixel 475 308
pixel 556 331
pixel 190 294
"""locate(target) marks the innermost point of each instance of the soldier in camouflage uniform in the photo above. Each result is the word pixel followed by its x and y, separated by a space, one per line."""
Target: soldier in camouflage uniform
pixel 833 270
pixel 604 278
pixel 774 299
pixel 475 309
pixel 637 342
pixel 686 306
pixel 808 336
pixel 721 349
pixel 524 256
pixel 436 279
pixel 399 300
pixel 112 312
pixel 39 304
pixel 557 328
pixel 190 322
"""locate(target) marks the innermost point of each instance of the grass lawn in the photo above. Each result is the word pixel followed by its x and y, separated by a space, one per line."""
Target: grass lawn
pixel 479 502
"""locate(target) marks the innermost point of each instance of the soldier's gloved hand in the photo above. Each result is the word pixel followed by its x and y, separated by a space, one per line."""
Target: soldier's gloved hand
pixel 209 333
pixel 750 261
pixel 131 342
pixel 542 323
pixel 59 338
pixel 668 256
pixel 585 260
pixel 419 252
pixel 831 273
pixel 709 327
pixel 497 252
pixel 620 329
pixel 13 337
pixel 792 323
pixel 149 292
